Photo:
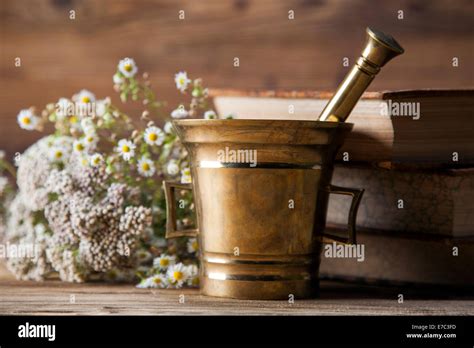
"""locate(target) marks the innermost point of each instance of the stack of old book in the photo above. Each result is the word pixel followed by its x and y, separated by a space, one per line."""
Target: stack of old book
pixel 413 153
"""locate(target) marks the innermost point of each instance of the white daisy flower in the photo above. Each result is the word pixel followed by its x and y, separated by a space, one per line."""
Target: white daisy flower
pixel 84 96
pixel 75 122
pixel 27 120
pixel 172 168
pixel 87 125
pixel 192 245
pixel 154 136
pixel 57 154
pixel 193 275
pixel 146 167
pixel 182 81
pixel 156 281
pixel 126 148
pixel 177 275
pixel 96 159
pixel 186 176
pixel 127 67
pixel 118 80
pixel 164 261
pixel 64 107
pixel 168 128
pixel 84 161
pixel 90 140
pixel 210 115
pixel 78 146
pixel 180 112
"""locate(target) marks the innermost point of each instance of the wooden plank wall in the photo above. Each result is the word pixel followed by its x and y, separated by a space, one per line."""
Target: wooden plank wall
pixel 60 56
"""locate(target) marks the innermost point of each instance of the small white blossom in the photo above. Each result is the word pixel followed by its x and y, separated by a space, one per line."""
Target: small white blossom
pixel 78 146
pixel 193 275
pixel 27 120
pixel 87 125
pixel 2 154
pixel 156 281
pixel 182 81
pixel 154 136
pixel 90 140
pixel 186 176
pixel 146 167
pixel 168 127
pixel 57 154
pixel 210 115
pixel 192 245
pixel 127 67
pixel 177 275
pixel 84 96
pixel 180 112
pixel 164 261
pixel 96 159
pixel 101 107
pixel 172 168
pixel 118 80
pixel 126 148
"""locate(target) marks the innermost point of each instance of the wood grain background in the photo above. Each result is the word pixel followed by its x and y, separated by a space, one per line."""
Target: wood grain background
pixel 61 56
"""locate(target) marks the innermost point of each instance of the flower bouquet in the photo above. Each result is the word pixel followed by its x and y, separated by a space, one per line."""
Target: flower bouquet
pixel 89 202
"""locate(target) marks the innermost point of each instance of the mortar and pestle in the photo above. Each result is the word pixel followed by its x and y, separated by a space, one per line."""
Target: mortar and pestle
pixel 261 223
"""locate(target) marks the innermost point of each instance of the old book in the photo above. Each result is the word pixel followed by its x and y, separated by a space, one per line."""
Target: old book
pixel 430 128
pixel 429 202
pixel 400 259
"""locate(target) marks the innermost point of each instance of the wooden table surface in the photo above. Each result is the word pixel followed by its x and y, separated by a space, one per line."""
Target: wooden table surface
pixel 54 298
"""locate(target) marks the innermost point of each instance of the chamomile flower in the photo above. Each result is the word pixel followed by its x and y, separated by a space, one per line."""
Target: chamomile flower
pixel 64 107
pixel 192 245
pixel 168 128
pixel 172 168
pixel 156 281
pixel 118 79
pixel 210 115
pixel 177 275
pixel 57 154
pixel 146 167
pixel 127 67
pixel 78 146
pixel 3 184
pixel 154 136
pixel 193 275
pixel 186 176
pixel 84 96
pixel 27 120
pixel 180 112
pixel 164 261
pixel 96 159
pixel 182 81
pixel 126 148
pixel 90 140
pixel 87 125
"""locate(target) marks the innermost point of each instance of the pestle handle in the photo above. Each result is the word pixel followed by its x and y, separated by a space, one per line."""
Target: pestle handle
pixel 379 49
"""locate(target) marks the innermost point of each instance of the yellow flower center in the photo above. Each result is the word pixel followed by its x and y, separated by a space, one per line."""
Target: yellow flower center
pixel 157 280
pixel 125 148
pixel 128 67
pixel 195 245
pixel 26 120
pixel 164 262
pixel 152 136
pixel 73 119
pixel 58 154
pixel 96 160
pixel 195 281
pixel 178 275
pixel 182 80
pixel 86 99
pixel 145 167
pixel 79 147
